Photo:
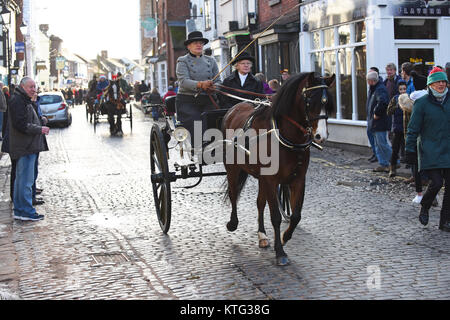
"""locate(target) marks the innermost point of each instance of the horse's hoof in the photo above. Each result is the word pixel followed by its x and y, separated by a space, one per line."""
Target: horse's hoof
pixel 232 226
pixel 283 261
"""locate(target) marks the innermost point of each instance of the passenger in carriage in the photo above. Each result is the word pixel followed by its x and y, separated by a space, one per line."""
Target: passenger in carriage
pixel 101 86
pixel 195 73
pixel 242 79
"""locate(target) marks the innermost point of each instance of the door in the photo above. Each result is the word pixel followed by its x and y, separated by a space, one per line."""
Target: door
pixel 422 58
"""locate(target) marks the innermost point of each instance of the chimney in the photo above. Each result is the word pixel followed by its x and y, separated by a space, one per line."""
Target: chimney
pixel 104 54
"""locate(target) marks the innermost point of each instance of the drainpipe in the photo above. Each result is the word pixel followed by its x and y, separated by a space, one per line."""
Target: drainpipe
pixel 215 19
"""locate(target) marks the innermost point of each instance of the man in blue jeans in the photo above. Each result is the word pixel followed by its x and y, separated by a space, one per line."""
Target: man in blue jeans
pixel 378 124
pixel 26 140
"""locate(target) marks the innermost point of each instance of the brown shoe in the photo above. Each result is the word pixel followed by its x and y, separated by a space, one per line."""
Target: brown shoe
pixel 410 180
pixel 381 169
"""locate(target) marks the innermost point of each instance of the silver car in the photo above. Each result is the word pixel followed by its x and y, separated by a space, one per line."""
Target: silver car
pixel 54 107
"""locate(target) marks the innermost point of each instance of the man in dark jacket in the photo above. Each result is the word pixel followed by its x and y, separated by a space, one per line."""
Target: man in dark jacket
pixel 378 122
pixel 242 79
pixel 25 141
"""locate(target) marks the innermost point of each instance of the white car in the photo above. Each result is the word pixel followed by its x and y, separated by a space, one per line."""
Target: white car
pixel 54 107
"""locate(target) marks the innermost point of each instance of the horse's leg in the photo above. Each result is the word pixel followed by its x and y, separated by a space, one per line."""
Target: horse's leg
pixel 263 241
pixel 112 127
pixel 119 121
pixel 297 196
pixel 270 188
pixel 233 173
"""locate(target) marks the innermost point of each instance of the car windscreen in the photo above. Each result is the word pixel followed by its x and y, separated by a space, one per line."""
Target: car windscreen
pixel 50 99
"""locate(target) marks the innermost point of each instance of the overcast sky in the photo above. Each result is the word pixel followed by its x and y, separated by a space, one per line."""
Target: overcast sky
pixel 89 26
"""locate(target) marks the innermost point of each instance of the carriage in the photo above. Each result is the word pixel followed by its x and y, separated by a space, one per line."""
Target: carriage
pixel 301 105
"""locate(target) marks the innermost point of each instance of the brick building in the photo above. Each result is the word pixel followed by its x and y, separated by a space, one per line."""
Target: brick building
pixel 163 31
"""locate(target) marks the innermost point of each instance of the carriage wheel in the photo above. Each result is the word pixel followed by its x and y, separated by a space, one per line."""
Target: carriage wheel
pixel 160 178
pixel 131 116
pixel 284 196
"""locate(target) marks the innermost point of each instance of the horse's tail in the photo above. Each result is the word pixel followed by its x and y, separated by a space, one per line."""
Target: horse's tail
pixel 242 179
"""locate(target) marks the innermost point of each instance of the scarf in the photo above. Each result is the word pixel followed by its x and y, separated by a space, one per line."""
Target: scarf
pixel 439 96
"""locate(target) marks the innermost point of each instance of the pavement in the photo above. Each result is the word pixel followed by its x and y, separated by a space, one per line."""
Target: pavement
pixel 359 237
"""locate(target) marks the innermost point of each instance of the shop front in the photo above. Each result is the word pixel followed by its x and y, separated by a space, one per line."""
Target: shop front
pixel 347 37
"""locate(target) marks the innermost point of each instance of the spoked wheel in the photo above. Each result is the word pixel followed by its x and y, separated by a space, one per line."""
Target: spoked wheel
pixel 284 196
pixel 131 116
pixel 160 178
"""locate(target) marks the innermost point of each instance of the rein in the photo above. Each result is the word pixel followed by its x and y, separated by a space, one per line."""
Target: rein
pixel 245 91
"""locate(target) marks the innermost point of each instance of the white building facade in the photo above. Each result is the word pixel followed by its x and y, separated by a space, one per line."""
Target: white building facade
pixel 347 37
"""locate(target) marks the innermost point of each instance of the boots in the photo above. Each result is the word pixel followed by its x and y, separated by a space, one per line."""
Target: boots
pixel 423 216
pixel 392 171
pixel 444 222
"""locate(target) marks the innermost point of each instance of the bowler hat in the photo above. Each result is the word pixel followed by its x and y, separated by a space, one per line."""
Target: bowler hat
pixel 195 36
pixel 244 56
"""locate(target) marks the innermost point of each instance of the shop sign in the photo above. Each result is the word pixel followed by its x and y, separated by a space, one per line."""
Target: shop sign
pixel 421 8
pixel 324 13
pixel 60 63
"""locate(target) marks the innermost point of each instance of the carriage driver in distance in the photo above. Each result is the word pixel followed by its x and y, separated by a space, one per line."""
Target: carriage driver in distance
pixel 195 73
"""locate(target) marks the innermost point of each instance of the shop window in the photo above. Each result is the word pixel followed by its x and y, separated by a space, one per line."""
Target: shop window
pixel 316 59
pixel 315 37
pixel 360 31
pixel 345 69
pixel 415 29
pixel 361 84
pixel 328 37
pixel 344 35
pixel 329 62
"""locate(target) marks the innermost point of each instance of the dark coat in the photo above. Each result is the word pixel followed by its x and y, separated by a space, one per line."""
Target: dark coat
pixel 233 81
pixel 429 130
pixel 396 112
pixel 24 127
pixel 397 78
pixel 377 103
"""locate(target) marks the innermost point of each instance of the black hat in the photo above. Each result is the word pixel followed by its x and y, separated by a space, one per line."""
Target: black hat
pixel 195 36
pixel 244 56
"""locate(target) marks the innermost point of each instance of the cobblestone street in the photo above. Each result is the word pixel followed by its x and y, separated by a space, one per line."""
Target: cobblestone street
pixel 359 237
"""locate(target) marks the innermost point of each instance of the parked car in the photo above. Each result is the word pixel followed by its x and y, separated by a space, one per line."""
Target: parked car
pixel 55 108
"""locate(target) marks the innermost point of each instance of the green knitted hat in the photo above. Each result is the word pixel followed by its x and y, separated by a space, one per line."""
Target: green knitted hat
pixel 435 75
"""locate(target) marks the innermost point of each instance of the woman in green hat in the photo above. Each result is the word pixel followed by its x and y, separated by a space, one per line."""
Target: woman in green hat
pixel 429 129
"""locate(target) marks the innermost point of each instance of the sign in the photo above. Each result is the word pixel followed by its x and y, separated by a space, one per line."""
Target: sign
pixel 60 63
pixel 324 13
pixel 149 25
pixel 20 47
pixel 421 8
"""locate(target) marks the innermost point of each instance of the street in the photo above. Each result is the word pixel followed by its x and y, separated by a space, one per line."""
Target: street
pixel 359 237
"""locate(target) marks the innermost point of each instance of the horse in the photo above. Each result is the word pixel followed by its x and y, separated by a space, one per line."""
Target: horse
pixel 115 106
pixel 298 117
pixel 90 103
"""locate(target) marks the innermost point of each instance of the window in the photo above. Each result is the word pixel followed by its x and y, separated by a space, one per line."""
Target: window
pixel 415 29
pixel 360 31
pixel 361 84
pixel 344 35
pixel 207 14
pixel 328 36
pixel 315 37
pixel 50 99
pixel 317 62
pixel 329 67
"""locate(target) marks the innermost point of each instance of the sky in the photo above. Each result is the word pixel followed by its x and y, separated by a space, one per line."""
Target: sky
pixel 89 26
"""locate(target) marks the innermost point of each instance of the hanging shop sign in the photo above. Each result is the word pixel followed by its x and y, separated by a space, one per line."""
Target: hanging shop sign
pixel 421 8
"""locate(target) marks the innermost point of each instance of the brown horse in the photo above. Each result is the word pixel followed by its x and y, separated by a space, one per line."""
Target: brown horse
pixel 298 114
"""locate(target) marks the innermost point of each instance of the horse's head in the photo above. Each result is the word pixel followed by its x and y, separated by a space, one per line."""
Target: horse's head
pixel 318 104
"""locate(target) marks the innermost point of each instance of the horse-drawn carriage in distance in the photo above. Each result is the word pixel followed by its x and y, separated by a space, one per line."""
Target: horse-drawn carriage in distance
pixel 291 120
pixel 111 103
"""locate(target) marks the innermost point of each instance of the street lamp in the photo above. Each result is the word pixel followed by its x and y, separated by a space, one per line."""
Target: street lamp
pixel 6 15
pixel 23 28
pixel 6 20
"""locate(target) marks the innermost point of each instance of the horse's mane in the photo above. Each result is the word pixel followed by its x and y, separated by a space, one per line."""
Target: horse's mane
pixel 285 97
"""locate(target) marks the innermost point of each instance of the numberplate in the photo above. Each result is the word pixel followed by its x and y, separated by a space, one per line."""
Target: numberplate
pixel 50 117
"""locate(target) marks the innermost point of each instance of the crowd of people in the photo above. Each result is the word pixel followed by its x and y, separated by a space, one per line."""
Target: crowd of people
pixel 414 110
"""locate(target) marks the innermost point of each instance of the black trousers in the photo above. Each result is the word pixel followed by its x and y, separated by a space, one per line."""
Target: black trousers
pixel 438 177
pixel 398 141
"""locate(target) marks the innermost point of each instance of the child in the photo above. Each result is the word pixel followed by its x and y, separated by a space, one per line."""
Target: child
pixel 397 127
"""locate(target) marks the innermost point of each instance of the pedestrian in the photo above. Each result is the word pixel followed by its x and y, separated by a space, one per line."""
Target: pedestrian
pixel 370 137
pixel 285 75
pixel 261 77
pixel 156 102
pixel 5 145
pixel 3 108
pixel 195 73
pixel 407 68
pixel 25 141
pixel 430 123
pixel 274 85
pixel 241 79
pixel 378 123
pixel 396 112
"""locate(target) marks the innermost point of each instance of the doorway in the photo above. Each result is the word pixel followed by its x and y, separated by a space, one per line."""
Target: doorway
pixel 423 59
